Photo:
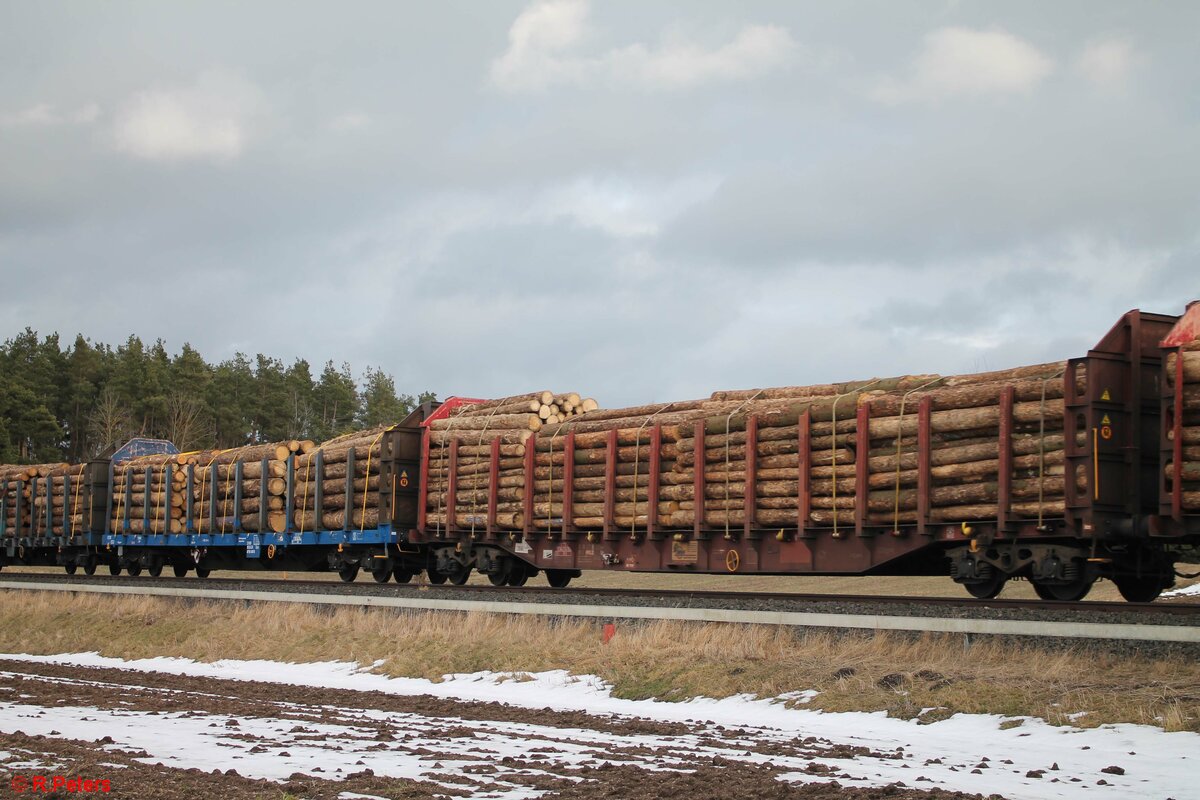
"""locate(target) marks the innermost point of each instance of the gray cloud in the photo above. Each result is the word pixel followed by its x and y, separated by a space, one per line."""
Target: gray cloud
pixel 663 201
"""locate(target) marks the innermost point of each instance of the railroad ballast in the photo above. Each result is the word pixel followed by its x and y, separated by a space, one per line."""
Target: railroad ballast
pixel 1061 473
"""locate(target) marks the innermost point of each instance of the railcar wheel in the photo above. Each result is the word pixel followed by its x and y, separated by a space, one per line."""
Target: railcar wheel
pixel 70 568
pixel 1139 590
pixel 180 570
pixel 1065 592
pixel 435 577
pixel 202 573
pixel 348 574
pixel 155 569
pixel 460 576
pixel 134 569
pixel 558 578
pixel 517 577
pixel 89 567
pixel 498 579
pixel 114 569
pixel 381 575
pixel 987 590
pixel 402 575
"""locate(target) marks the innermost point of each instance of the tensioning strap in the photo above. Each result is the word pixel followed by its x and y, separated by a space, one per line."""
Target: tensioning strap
pixel 899 439
pixel 833 447
pixel 700 502
pixel 637 450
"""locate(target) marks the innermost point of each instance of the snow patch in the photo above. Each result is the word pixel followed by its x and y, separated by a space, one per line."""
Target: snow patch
pixel 945 752
pixel 1186 591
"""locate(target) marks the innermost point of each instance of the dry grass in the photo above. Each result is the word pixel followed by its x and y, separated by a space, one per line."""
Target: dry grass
pixel 668 660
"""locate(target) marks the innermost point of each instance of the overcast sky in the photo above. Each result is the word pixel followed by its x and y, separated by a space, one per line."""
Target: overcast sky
pixel 638 201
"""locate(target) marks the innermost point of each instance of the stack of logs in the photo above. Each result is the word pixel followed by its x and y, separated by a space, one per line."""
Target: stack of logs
pixel 149 476
pixel 335 472
pixel 511 421
pixel 1190 446
pixel 32 508
pixel 68 510
pixel 220 470
pixel 964 451
pixel 553 408
pixel 964 455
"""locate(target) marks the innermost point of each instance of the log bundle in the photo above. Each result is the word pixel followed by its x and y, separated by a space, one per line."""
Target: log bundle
pixel 507 424
pixel 150 493
pixel 350 460
pixel 148 479
pixel 67 508
pixel 220 502
pixel 822 420
pixel 21 500
pixel 964 453
pixel 1189 447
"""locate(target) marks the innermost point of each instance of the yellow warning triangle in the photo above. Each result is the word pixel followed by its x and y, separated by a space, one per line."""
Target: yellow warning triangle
pixel 1106 420
pixel 1106 395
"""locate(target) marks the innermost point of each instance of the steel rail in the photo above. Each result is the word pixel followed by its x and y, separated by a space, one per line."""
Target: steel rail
pixel 1189 634
pixel 964 603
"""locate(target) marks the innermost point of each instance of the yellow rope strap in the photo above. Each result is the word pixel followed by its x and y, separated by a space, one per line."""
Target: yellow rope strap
pixel 637 451
pixel 204 474
pixel 304 498
pixel 231 468
pixel 162 496
pixel 441 506
pixel 899 438
pixel 475 475
pixel 833 447
pixel 367 479
pixel 701 501
pixel 75 501
pixel 121 501
pixel 550 486
pixel 1042 447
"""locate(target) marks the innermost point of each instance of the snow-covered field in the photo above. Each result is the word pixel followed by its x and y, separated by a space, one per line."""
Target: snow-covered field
pixel 970 753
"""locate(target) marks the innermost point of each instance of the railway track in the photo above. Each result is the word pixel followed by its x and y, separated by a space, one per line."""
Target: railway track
pixel 1167 623
pixel 661 596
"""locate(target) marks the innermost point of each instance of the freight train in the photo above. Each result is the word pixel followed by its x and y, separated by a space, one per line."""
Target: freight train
pixel 1130 504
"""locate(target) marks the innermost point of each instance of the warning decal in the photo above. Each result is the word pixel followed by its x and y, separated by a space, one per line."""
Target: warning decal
pixel 685 551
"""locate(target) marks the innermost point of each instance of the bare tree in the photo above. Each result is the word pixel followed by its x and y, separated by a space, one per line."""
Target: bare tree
pixel 188 423
pixel 110 423
pixel 300 421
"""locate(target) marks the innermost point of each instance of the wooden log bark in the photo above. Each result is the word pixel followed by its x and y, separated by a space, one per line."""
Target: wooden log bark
pixel 339 519
pixel 499 422
pixel 276 451
pixel 903 383
pixel 1191 470
pixel 440 439
pixel 970 395
pixel 1191 435
pixel 487 406
pixel 338 455
pixel 1191 367
pixel 253 469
